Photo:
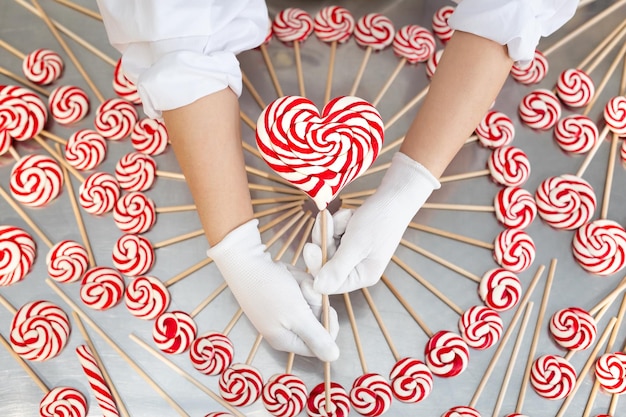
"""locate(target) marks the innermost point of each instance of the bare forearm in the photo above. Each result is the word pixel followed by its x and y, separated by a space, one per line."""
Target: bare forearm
pixel 468 78
pixel 206 139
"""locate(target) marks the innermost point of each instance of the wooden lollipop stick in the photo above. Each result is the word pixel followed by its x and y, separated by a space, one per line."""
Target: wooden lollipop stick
pixel 270 69
pixel 278 209
pixel 357 194
pixel 389 81
pixel 12 310
pixel 38 381
pixel 434 206
pixel 592 152
pixel 170 175
pixel 298 227
pixel 609 177
pixel 208 299
pixel 115 347
pixel 19 54
pixel 116 396
pixel 427 284
pixel 296 50
pixel 408 106
pixel 361 71
pixel 583 373
pixel 471 139
pixel 407 307
pixel 248 121
pixel 14 153
pixel 265 175
pixel 513 358
pixel 59 158
pixel 23 81
pixel 535 340
pixel 25 217
pixel 257 201
pixel 329 74
pixel 53 137
pixel 187 272
pixel 605 80
pixel 505 337
pixel 273 189
pixel 175 209
pixel 381 324
pixel 253 92
pixel 80 9
pixel 450 235
pixel 294 211
pixel 582 28
pixel 391 145
pixel 71 35
pixel 214 396
pixel 589 64
pixel 325 310
pixel 178 239
pixel 609 297
pixel 68 51
pixel 464 176
pixel 355 332
pixel 441 261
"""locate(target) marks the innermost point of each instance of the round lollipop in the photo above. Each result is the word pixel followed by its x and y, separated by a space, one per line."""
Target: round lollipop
pixel 495 130
pixel 134 213
pixel 241 385
pixel 340 402
pixel 374 31
pixel 371 395
pixel 146 297
pixel 514 250
pixel 292 25
pixel 540 109
pixel 610 372
pixel 576 134
pixel 599 247
pixel 333 24
pixel 133 255
pixel 42 66
pixel 440 23
pixel 102 288
pixel 533 72
pixel 17 254
pixel 85 149
pixel 284 395
pixel 212 353
pixel 36 180
pixel 63 401
pixel 433 62
pixel 552 377
pixel 573 328
pixel 500 289
pixel 515 207
pixel 135 171
pixel 174 331
pixel 615 115
pixel 68 104
pixel 149 136
pixel 565 202
pixel 411 380
pixel 447 354
pixel 509 166
pixel 67 261
pixel 414 44
pixel 123 87
pixel 115 119
pixel 99 193
pixel 480 327
pixel 24 111
pixel 575 88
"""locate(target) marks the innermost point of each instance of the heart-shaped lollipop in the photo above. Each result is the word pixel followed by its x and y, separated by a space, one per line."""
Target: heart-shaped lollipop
pixel 319 154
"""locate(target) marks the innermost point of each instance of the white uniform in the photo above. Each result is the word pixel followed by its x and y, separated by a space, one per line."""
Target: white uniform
pixel 178 51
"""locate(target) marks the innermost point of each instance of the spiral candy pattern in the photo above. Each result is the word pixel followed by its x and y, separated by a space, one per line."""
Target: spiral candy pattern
pixel 292 24
pixel 515 207
pixel 63 401
pixel 123 87
pixel 85 149
pixel 509 166
pixel 480 327
pixel 67 261
pixel 514 250
pixel 134 213
pixel 36 180
pixel 212 353
pixel 500 289
pixel 461 411
pixel 447 354
pixel 96 380
pixel 615 115
pixel 23 112
pixel 573 328
pixel 540 109
pixel 174 331
pixel 68 104
pixel 17 254
pixel 599 247
pixel 413 43
pixel 99 193
pixel 101 288
pixel 375 31
pixel 565 202
pixel 433 62
pixel 284 395
pixel 552 377
pixel 610 370
pixel 115 119
pixel 532 73
pixel 149 136
pixel 241 385
pixel 576 134
pixel 333 24
pixel 411 380
pixel 495 130
pixel 133 255
pixel 575 88
pixel 371 395
pixel 42 66
pixel 316 404
pixel 135 171
pixel 146 297
pixel 441 29
pixel 39 331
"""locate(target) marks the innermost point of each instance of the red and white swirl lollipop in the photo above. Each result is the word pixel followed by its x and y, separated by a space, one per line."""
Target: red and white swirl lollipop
pixel 17 254
pixel 411 380
pixel 540 109
pixel 135 171
pixel 101 288
pixel 515 207
pixel 97 382
pixel 575 88
pixel 610 372
pixel 319 154
pixel 149 136
pixel 174 332
pixel 600 247
pixel 340 401
pixel 576 134
pixel 67 261
pixel 212 353
pixel 495 130
pixel 509 166
pixel 36 180
pixel 63 401
pixel 461 411
pixel 433 62
pixel 68 104
pixel 440 23
pixel 39 331
pixel 241 385
pixel 447 354
pixel 42 66
pixel 565 202
pixel 333 24
pixel 146 297
pixel 134 213
pixel 133 255
pixel 292 24
pixel 374 31
pixel 615 115
pixel 573 328
pixel 552 377
pixel 22 112
pixel 371 395
pixel 480 327
pixel 414 44
pixel 284 395
pixel 85 149
pixel 123 87
pixel 99 193
pixel 533 72
pixel 115 119
pixel 219 414
pixel 514 250
pixel 500 289
pixel 6 141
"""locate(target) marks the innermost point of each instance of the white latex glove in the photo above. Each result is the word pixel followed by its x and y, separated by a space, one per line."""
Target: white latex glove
pixel 375 229
pixel 270 296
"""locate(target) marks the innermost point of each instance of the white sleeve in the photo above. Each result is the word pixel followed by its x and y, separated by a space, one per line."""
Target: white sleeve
pixel 518 24
pixel 177 51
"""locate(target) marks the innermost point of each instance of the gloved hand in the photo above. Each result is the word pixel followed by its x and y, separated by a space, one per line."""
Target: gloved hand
pixel 375 229
pixel 269 294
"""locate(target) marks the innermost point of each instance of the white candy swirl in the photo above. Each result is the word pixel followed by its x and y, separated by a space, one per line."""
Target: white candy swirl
pixel 333 24
pixel 63 402
pixel 576 134
pixel 495 130
pixel 514 250
pixel 509 166
pixel 566 202
pixel 515 207
pixel 85 149
pixel 134 213
pixel 115 119
pixel 447 354
pixel 284 395
pixel 123 87
pixel 67 261
pixel 411 380
pixel 146 297
pixel 99 193
pixel 135 171
pixel 414 43
pixel 610 372
pixel 17 254
pixel 440 23
pixel 174 331
pixel 433 62
pixel 36 180
pixel 500 289
pixel 149 136
pixel 461 411
pixel 26 111
pixel 42 66
pixel 133 255
pixel 212 353
pixel 532 73
pixel 371 395
pixel 599 247
pixel 101 288
pixel 480 327
pixel 375 31
pixel 575 88
pixel 540 109
pixel 292 24
pixel 552 377
pixel 39 331
pixel 340 401
pixel 573 328
pixel 615 115
pixel 68 104
pixel 241 385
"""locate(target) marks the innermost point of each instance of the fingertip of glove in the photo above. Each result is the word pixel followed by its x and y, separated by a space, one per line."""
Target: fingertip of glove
pixel 330 354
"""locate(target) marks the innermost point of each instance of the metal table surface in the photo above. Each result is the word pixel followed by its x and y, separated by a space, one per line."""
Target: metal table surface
pixel 572 286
